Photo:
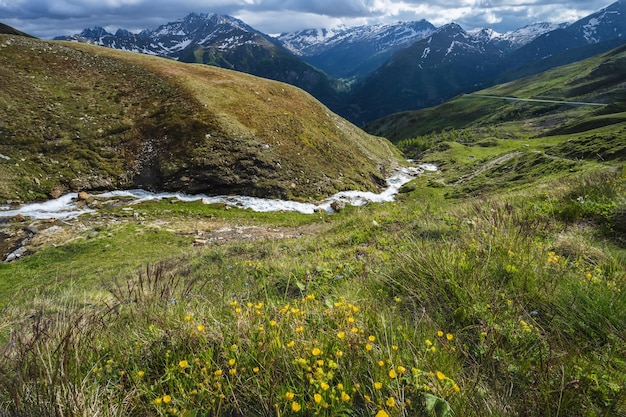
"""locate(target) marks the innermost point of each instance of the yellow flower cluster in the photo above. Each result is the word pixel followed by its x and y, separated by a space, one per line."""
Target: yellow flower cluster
pixel 325 356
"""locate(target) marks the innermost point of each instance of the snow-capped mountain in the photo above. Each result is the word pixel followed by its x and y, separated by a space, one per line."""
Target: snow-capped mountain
pixel 591 35
pixel 311 42
pixel 348 52
pixel 517 38
pixel 172 39
pixel 608 23
pixel 522 36
pixel 435 68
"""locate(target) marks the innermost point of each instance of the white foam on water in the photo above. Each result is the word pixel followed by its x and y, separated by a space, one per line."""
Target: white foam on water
pixel 65 207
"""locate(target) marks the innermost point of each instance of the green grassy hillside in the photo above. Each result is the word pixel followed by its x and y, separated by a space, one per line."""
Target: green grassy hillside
pixel 79 117
pixel 597 80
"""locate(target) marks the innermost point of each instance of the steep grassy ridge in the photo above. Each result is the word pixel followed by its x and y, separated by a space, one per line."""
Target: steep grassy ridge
pixel 79 117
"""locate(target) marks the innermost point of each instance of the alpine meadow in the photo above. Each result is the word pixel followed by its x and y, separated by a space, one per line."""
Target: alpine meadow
pixel 493 285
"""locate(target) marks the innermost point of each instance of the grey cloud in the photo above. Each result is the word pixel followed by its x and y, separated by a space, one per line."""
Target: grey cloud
pixel 46 18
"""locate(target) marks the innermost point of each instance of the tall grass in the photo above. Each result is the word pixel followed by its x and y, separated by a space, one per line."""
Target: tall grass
pixel 540 312
pixel 491 306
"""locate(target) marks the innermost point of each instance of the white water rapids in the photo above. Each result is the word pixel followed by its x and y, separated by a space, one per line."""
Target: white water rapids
pixel 65 207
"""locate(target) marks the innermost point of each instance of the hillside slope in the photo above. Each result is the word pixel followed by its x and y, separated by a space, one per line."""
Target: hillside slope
pixel 81 117
pixel 8 30
pixel 600 79
pixel 222 41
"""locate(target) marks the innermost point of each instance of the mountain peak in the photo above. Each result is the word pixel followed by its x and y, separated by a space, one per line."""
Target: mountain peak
pixel 96 33
pixel 196 16
pixel 609 22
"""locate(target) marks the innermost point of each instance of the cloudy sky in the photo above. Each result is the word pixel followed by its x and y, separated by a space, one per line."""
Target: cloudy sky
pixel 49 18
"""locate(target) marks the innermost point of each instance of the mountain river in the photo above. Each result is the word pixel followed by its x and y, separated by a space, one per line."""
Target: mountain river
pixel 65 207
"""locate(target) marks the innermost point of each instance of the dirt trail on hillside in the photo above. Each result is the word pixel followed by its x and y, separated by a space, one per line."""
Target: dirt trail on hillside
pixel 489 165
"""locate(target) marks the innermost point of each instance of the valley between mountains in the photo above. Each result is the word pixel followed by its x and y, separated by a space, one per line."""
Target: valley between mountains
pixel 492 286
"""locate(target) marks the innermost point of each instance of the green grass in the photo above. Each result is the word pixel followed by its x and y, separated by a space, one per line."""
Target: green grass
pixel 528 283
pixel 496 287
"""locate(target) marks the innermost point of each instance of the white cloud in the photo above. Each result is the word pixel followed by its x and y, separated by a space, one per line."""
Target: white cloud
pixel 46 18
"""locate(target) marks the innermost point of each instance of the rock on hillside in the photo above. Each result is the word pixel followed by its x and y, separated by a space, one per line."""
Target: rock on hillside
pixel 83 117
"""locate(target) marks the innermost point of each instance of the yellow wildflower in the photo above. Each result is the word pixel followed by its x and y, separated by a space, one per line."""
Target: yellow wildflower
pixel 439 333
pixel 183 364
pixel 299 329
pixel 140 373
pixel 392 374
pixel 255 369
pixel 341 335
pixel 371 338
pixel 449 336
pixel 317 398
pixel 378 385
pixel 291 344
pixel 200 328
pixel 231 362
pixel 324 386
pixel 391 402
pixel 167 399
pixel 187 318
pixel 368 346
pixel 218 372
pixel 401 369
pixel 295 406
pixel 158 401
pixel 316 352
pixel 440 376
pixel 345 397
pixel 289 395
pixel 382 413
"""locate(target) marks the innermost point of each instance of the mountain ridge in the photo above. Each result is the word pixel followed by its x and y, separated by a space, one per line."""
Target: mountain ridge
pixel 367 57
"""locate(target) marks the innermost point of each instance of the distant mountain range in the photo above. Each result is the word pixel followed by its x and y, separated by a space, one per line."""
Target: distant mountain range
pixel 452 61
pixel 391 67
pixel 352 52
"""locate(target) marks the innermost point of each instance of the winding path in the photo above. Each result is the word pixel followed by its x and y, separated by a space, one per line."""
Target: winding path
pixel 537 100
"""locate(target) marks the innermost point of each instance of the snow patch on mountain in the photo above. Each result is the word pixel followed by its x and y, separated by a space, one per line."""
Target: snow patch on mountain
pixel 316 41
